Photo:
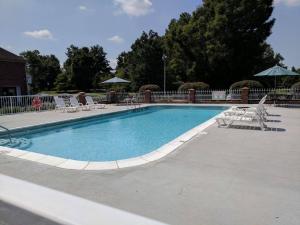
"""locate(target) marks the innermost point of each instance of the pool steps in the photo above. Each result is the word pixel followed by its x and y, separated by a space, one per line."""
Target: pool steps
pixel 20 143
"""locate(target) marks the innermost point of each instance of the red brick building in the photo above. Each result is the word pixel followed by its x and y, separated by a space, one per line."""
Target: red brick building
pixel 12 74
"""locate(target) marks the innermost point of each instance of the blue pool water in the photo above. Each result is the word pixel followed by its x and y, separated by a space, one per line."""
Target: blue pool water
pixel 118 136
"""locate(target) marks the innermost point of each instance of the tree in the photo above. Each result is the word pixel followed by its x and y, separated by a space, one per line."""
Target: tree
pixel 221 42
pixel 143 63
pixel 62 82
pixel 84 67
pixel 43 69
pixel 178 49
pixel 123 65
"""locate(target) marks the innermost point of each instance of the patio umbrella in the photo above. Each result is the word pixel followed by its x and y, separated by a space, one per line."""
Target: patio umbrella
pixel 115 80
pixel 276 71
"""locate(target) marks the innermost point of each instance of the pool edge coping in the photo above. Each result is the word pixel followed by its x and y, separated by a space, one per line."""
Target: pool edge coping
pixel 71 164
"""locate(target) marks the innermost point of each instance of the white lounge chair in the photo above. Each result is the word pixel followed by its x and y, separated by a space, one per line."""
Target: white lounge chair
pixel 92 104
pixel 260 110
pixel 248 117
pixel 60 105
pixel 75 103
pixel 261 104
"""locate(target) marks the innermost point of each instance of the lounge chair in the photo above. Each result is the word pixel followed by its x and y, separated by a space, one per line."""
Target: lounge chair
pixel 60 105
pixel 260 105
pixel 92 104
pixel 259 109
pixel 227 121
pixel 246 114
pixel 75 103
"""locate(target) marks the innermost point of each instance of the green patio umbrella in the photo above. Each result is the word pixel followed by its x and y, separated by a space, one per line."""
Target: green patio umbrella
pixel 276 71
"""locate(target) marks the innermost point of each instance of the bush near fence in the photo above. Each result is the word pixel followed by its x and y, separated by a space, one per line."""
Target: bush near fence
pixel 193 85
pixel 246 83
pixel 151 87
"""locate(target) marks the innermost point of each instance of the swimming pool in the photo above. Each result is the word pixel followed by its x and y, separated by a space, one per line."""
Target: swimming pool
pixel 116 136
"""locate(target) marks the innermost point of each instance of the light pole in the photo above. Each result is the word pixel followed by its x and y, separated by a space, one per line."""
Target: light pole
pixel 164 58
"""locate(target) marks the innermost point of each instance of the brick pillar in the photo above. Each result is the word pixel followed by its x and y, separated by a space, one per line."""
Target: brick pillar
pixel 245 95
pixel 81 98
pixel 192 96
pixel 147 94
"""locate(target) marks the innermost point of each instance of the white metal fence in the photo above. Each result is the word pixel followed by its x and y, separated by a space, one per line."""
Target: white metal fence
pixel 18 104
pixel 282 94
pixel 218 95
pixel 28 103
pixel 169 96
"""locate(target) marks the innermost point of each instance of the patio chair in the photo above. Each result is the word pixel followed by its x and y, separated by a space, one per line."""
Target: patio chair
pixel 75 103
pixel 248 117
pixel 60 105
pixel 260 109
pixel 249 112
pixel 90 102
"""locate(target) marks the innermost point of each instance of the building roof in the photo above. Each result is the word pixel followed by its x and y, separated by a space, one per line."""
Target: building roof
pixel 10 57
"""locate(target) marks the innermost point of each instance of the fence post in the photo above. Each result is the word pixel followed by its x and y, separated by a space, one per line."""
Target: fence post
pixel 245 95
pixel 11 105
pixel 147 96
pixel 192 96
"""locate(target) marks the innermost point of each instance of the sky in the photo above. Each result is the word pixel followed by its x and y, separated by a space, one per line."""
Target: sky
pixel 52 25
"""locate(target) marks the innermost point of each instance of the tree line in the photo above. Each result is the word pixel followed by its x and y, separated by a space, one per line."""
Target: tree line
pixel 84 69
pixel 221 42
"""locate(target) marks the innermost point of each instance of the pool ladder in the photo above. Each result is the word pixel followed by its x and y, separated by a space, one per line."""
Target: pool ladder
pixel 8 133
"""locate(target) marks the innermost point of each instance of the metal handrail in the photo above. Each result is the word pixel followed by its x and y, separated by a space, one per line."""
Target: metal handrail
pixel 8 133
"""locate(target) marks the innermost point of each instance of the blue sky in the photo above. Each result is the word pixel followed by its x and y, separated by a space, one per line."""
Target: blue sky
pixel 52 25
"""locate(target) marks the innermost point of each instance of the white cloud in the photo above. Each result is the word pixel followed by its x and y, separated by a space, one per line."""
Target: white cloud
pixel 39 34
pixel 82 8
pixel 134 7
pixel 116 39
pixel 288 2
pixel 113 63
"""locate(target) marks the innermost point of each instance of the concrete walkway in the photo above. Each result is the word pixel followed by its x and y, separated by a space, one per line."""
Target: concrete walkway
pixel 227 176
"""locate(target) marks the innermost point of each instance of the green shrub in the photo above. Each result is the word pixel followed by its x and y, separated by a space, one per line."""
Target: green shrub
pixel 151 87
pixel 296 85
pixel 194 85
pixel 246 83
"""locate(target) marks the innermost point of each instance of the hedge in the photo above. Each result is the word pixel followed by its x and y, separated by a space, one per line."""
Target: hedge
pixel 246 83
pixel 194 85
pixel 150 87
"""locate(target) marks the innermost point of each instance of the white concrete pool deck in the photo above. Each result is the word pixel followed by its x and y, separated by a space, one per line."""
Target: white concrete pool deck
pixel 221 176
pixel 38 118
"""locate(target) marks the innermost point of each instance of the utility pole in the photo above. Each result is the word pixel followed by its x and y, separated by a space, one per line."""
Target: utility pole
pixel 164 58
